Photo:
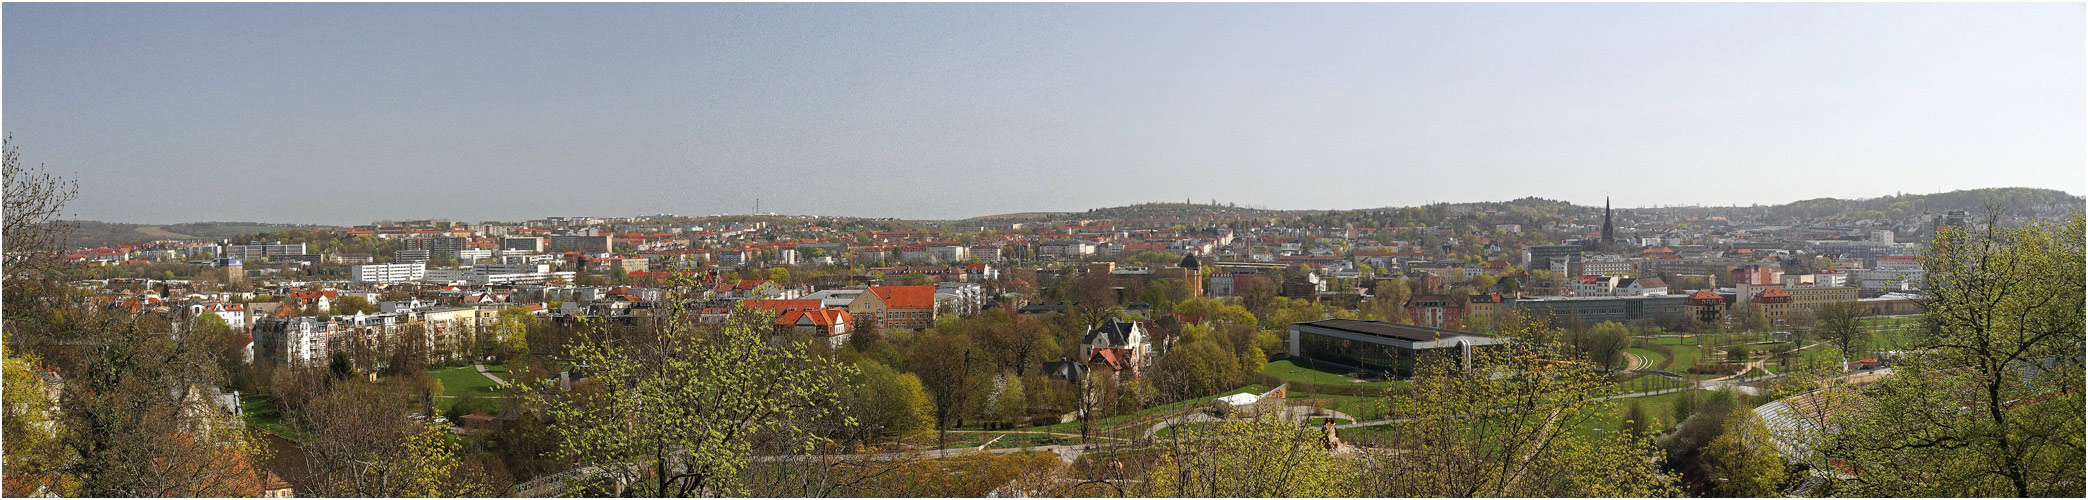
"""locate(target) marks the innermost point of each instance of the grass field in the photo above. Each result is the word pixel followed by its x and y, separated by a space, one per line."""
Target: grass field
pixel 261 413
pixel 461 380
pixel 1290 371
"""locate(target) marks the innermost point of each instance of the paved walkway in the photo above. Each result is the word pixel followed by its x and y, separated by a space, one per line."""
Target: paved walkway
pixel 489 375
pixel 1637 362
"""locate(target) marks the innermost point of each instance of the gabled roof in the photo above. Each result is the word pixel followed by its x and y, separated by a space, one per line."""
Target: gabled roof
pixel 827 317
pixel 1117 357
pixel 1066 368
pixel 1112 332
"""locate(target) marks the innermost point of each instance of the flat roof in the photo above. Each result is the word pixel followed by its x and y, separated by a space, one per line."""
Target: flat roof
pixel 1409 333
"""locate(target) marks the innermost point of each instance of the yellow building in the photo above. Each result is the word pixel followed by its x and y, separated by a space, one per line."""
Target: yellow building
pixel 909 307
pixel 1483 312
pixel 1779 302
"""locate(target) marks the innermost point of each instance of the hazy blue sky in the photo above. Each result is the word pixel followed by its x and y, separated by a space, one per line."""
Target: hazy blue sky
pixel 347 113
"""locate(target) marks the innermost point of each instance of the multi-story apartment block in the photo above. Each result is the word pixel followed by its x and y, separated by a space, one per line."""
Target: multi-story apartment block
pixel 262 251
pixel 297 340
pixel 951 253
pixel 445 247
pixel 387 273
pixel 526 243
pixel 581 242
pixel 1600 267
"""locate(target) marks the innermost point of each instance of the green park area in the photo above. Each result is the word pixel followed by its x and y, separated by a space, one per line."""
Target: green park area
pixel 1309 373
pixel 458 381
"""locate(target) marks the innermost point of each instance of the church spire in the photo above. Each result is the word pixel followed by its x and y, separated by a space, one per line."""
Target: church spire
pixel 1609 231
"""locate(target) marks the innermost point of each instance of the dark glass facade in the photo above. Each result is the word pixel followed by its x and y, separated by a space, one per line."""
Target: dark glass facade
pixel 1383 359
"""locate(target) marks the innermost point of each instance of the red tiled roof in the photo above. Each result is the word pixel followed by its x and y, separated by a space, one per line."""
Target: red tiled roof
pixel 906 297
pixel 781 305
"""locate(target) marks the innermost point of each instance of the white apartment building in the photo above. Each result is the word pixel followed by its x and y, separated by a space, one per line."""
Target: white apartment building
pixel 387 273
pixel 953 253
pixel 497 274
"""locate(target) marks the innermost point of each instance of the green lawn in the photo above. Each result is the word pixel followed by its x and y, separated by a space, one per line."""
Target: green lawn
pixel 1685 357
pixel 1290 371
pixel 261 412
pixel 461 380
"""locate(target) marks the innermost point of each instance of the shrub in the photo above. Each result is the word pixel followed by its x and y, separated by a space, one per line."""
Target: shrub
pixel 1717 368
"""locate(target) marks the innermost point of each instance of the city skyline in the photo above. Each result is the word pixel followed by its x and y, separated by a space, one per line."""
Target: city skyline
pixel 343 114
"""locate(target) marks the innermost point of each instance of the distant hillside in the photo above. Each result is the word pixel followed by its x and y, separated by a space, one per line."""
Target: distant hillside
pixel 2018 201
pixel 96 234
pixel 1144 211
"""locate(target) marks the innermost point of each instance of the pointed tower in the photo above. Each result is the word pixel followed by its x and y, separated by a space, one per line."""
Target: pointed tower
pixel 1609 231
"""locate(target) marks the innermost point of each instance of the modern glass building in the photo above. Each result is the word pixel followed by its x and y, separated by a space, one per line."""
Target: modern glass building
pixel 1378 346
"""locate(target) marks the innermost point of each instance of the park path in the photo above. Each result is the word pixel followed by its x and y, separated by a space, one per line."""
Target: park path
pixel 489 375
pixel 1637 362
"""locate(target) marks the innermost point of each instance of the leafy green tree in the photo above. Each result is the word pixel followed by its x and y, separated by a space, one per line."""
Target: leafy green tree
pixel 1841 324
pixel 351 304
pixel 511 331
pixel 1604 344
pixel 227 347
pixel 33 448
pixel 1248 458
pixel 943 362
pixel 1744 459
pixel 687 403
pixel 887 402
pixel 1990 401
pixel 1010 404
pixel 1515 422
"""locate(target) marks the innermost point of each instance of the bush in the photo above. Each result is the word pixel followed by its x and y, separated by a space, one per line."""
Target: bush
pixel 1717 369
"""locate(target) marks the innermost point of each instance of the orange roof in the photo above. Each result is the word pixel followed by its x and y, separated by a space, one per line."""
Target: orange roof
pixel 1117 357
pixel 820 317
pixel 1705 295
pixel 780 305
pixel 906 297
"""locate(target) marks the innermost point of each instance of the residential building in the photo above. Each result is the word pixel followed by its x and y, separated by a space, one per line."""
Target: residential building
pixel 1121 344
pixel 526 243
pixel 262 251
pixel 299 340
pixel 829 325
pixel 1435 311
pixel 387 273
pixel 438 247
pixel 910 307
pixel 581 242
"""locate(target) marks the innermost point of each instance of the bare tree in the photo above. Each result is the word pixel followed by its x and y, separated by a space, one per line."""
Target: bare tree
pixel 35 202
